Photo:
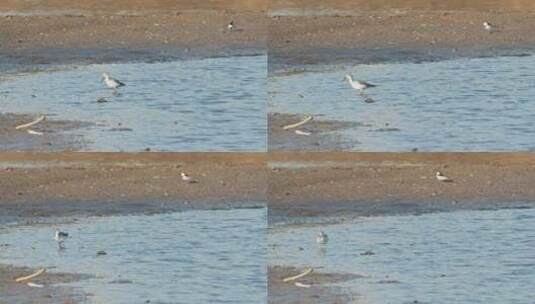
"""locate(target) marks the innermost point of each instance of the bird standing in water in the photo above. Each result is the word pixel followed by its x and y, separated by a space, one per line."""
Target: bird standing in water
pixel 60 237
pixel 358 84
pixel 322 238
pixel 111 83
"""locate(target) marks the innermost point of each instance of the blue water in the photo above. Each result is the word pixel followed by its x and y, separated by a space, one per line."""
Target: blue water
pixel 215 104
pixel 188 257
pixel 483 104
pixel 456 257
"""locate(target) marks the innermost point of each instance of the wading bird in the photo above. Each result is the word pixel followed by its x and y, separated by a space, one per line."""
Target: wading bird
pixel 110 82
pixel 358 84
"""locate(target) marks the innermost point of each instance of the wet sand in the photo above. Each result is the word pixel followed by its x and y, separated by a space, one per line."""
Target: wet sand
pixel 13 292
pixel 339 33
pixel 322 135
pixel 372 184
pixel 85 184
pixel 53 138
pixel 280 292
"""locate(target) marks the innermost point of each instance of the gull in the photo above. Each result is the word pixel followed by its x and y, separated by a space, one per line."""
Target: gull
pixel 443 178
pixel 322 238
pixel 187 178
pixel 489 27
pixel 358 84
pixel 110 82
pixel 230 26
pixel 60 237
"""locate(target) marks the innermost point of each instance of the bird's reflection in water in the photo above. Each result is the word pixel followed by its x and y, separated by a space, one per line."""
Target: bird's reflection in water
pixel 367 98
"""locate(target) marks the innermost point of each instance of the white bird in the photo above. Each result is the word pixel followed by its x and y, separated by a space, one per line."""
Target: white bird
pixel 488 27
pixel 358 84
pixel 187 178
pixel 322 238
pixel 443 178
pixel 110 82
pixel 60 237
pixel 230 26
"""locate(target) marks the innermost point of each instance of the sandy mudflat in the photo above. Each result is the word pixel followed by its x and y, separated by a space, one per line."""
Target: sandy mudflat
pixel 367 5
pixel 39 32
pixel 67 183
pixel 386 31
pixel 296 183
pixel 364 184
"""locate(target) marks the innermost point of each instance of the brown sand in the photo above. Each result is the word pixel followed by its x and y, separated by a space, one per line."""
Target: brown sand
pixel 110 38
pixel 366 5
pixel 299 183
pixel 118 6
pixel 363 184
pixel 42 184
pixel 397 31
pixel 61 31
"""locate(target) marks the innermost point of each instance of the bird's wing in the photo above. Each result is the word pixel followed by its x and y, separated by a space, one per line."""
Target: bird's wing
pixel 366 83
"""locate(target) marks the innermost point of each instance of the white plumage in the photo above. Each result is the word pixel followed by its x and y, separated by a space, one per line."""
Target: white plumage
pixel 110 82
pixel 60 237
pixel 443 178
pixel 358 84
pixel 322 238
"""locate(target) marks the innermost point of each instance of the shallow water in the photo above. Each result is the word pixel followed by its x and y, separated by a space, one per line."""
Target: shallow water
pixel 215 256
pixel 215 104
pixel 479 104
pixel 455 257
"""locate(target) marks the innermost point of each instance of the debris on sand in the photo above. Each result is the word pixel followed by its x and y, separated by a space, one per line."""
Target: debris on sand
pixel 32 132
pixel 295 125
pixel 30 284
pixel 303 285
pixel 295 277
pixel 305 133
pixel 31 276
pixel 26 125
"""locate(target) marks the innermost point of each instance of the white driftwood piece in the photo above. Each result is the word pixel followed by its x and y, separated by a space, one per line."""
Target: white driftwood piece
pixel 295 125
pixel 31 276
pixel 26 125
pixel 32 132
pixel 299 132
pixel 303 285
pixel 295 277
pixel 35 285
